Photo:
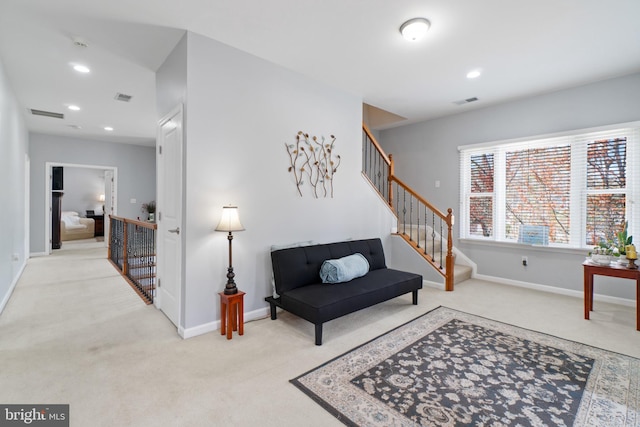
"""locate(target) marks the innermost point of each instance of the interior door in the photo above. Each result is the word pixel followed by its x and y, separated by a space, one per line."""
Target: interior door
pixel 169 218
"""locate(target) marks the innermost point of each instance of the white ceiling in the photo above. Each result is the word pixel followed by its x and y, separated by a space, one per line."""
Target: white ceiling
pixel 523 48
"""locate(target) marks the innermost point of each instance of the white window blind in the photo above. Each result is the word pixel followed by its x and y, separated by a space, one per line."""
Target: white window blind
pixel 572 190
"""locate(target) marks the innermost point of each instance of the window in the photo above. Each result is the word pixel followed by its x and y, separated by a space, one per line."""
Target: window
pixel 481 198
pixel 567 191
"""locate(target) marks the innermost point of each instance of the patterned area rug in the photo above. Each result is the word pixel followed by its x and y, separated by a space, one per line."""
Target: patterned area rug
pixel 449 368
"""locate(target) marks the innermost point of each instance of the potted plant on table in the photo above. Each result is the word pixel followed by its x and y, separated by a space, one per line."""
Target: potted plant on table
pixel 604 253
pixel 613 250
pixel 623 239
pixel 150 208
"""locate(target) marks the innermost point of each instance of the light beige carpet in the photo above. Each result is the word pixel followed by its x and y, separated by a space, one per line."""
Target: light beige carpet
pixel 74 332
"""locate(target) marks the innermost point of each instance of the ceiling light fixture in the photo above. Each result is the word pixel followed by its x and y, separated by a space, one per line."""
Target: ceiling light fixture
pixel 414 29
pixel 81 68
pixel 108 128
pixel 473 74
pixel 73 108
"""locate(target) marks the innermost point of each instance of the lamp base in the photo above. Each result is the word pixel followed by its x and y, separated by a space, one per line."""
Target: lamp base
pixel 230 290
pixel 230 287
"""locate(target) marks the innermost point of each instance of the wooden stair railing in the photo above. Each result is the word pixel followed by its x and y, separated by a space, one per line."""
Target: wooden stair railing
pixel 420 223
pixel 132 251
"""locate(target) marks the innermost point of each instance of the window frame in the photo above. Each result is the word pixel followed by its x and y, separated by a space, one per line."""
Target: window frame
pixel 578 141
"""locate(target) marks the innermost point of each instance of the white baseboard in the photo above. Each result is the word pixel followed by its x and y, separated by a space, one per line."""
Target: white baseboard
pixel 430 284
pixel 6 298
pixel 36 254
pixel 261 313
pixel 555 290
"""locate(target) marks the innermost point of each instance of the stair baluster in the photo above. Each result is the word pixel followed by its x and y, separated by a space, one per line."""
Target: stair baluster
pixel 132 251
pixel 379 169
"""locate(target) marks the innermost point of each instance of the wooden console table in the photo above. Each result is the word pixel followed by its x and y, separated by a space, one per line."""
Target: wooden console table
pixel 615 270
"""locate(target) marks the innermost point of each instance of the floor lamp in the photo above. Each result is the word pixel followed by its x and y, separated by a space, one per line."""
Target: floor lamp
pixel 230 221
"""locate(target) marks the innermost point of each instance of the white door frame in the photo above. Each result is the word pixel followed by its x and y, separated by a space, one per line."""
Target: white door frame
pixel 27 206
pixel 108 207
pixel 48 174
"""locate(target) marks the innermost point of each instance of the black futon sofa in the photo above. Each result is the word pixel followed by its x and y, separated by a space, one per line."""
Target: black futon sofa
pixel 300 289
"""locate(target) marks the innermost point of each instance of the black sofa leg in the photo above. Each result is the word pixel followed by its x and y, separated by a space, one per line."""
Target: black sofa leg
pixel 415 297
pixel 319 334
pixel 273 311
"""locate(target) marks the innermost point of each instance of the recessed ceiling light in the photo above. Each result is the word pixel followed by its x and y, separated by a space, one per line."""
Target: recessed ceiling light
pixel 81 68
pixel 73 108
pixel 473 74
pixel 108 128
pixel 80 41
pixel 414 29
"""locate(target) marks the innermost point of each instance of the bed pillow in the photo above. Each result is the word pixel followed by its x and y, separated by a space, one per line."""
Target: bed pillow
pixel 71 220
pixel 344 269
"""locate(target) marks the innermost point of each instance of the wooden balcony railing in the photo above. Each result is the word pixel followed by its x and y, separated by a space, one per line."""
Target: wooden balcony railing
pixel 427 229
pixel 132 250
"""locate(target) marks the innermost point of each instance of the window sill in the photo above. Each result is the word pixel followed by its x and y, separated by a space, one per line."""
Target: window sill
pixel 520 246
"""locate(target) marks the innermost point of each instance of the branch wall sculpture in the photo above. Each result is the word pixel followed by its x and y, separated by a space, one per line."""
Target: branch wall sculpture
pixel 313 159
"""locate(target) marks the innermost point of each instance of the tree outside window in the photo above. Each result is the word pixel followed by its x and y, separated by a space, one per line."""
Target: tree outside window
pixel 574 188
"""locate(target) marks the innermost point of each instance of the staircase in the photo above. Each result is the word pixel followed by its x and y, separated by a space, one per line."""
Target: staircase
pixel 426 241
pixel 132 251
pixel 424 227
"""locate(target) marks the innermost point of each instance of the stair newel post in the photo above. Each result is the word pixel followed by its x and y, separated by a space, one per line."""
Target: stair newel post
pixel 390 182
pixel 450 260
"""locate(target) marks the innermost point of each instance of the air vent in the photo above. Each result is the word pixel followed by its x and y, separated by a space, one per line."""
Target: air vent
pixel 123 97
pixel 465 101
pixel 47 114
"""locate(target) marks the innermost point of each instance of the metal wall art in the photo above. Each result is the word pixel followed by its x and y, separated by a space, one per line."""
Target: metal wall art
pixel 312 159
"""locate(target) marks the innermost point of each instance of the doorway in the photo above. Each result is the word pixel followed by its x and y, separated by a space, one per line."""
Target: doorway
pixel 96 199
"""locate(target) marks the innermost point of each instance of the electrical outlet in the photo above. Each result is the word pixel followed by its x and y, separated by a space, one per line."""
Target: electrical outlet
pixel 525 261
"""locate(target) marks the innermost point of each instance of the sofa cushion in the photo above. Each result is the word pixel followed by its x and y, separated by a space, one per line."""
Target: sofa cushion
pixel 320 302
pixel 344 269
pixel 299 267
pixel 286 246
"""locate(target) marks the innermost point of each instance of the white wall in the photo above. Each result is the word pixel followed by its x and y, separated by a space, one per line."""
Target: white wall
pixel 426 152
pixel 82 188
pixel 14 146
pixel 136 174
pixel 240 112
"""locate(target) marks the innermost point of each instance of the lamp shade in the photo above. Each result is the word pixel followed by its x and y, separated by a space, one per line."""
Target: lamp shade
pixel 230 220
pixel 414 29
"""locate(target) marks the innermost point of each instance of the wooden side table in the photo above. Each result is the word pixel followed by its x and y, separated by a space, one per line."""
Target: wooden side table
pixel 614 270
pixel 231 313
pixel 99 224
